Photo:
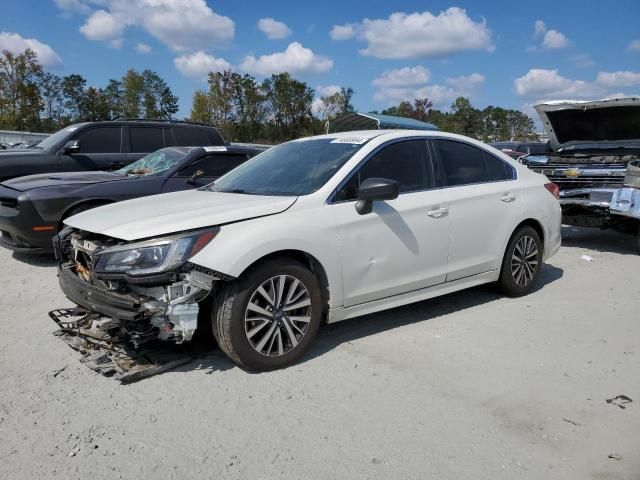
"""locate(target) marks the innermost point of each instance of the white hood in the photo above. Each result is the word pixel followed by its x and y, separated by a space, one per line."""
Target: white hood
pixel 175 212
pixel 573 122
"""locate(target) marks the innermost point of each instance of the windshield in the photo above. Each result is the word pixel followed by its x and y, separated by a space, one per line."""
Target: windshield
pixel 154 163
pixel 291 169
pixel 55 138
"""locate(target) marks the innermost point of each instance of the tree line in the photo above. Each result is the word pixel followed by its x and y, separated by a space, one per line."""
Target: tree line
pixel 492 124
pixel 275 109
pixel 32 99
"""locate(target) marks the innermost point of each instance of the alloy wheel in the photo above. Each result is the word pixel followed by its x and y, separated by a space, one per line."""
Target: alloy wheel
pixel 277 315
pixel 524 261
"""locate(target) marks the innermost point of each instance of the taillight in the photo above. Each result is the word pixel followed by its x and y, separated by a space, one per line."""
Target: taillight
pixel 553 189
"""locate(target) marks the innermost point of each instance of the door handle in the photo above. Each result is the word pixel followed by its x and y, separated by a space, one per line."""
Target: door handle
pixel 116 165
pixel 438 213
pixel 508 198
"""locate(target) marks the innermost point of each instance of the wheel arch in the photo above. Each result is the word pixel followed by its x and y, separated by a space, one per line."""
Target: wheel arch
pixel 308 260
pixel 536 225
pixel 95 202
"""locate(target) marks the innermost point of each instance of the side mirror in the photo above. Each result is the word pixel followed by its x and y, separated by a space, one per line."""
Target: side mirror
pixel 197 174
pixel 72 146
pixel 373 189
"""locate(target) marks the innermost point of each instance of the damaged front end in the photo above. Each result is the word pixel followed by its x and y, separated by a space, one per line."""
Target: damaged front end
pixel 129 295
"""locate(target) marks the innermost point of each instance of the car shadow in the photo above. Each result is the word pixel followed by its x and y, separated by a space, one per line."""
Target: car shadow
pixel 35 259
pixel 331 336
pixel 600 240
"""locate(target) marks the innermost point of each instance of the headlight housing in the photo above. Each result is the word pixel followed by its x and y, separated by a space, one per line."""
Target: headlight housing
pixel 152 256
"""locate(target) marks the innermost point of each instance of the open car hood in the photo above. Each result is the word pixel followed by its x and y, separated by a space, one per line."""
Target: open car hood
pixel 574 122
pixel 168 213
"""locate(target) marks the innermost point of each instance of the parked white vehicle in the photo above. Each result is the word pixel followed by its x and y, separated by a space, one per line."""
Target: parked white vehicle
pixel 318 229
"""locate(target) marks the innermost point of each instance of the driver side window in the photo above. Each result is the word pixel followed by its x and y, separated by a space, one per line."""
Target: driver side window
pixel 404 162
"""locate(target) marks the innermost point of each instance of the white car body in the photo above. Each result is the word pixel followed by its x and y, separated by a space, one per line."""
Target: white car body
pixel 419 245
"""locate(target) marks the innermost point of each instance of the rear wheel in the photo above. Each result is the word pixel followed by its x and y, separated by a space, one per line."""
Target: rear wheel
pixel 521 263
pixel 267 318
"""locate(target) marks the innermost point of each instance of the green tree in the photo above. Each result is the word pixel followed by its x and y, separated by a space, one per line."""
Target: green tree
pixel 159 102
pixel 200 109
pixel 96 105
pixel 20 102
pixel 52 101
pixel 289 101
pixel 132 94
pixel 114 94
pixel 74 91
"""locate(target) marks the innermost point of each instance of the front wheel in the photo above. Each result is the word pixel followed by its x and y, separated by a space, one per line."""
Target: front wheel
pixel 521 263
pixel 267 318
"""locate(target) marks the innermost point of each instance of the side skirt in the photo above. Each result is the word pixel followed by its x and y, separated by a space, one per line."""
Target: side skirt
pixel 341 313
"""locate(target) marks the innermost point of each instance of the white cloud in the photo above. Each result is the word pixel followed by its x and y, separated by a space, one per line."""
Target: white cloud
pixel 199 64
pixel 101 25
pixel 417 34
pixel 551 39
pixel 634 46
pixel 73 6
pixel 403 77
pixel 466 83
pixel 408 83
pixel 143 48
pixel 328 90
pixel 15 43
pixel 323 91
pixel 618 79
pixel 343 32
pixel 583 61
pixel 539 28
pixel 554 40
pixel 182 25
pixel 295 59
pixel 542 83
pixel 273 29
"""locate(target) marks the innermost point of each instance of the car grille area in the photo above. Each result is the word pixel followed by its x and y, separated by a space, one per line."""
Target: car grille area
pixel 570 176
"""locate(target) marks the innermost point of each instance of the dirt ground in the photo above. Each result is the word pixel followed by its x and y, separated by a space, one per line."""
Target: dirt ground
pixel 467 386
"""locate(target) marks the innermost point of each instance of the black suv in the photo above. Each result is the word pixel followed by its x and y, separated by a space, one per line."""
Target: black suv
pixel 107 145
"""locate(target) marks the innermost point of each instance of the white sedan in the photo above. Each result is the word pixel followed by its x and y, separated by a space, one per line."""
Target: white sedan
pixel 318 229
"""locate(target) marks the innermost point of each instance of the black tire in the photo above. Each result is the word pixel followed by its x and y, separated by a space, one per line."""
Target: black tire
pixel 512 284
pixel 230 306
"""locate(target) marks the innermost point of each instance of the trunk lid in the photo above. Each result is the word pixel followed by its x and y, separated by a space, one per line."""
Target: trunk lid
pixel 175 212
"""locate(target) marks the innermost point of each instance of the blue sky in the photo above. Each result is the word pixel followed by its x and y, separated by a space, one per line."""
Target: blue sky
pixel 498 53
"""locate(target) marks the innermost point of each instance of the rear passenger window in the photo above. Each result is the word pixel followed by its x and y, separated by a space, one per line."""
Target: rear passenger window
pixel 190 137
pixel 465 164
pixel 146 139
pixel 213 165
pixel 100 140
pixel 497 170
pixel 404 162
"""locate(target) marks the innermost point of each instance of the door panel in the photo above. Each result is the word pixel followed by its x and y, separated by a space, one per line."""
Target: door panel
pixel 482 219
pixel 395 249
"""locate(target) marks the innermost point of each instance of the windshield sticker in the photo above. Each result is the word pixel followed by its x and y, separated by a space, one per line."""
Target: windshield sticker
pixel 351 140
pixel 215 149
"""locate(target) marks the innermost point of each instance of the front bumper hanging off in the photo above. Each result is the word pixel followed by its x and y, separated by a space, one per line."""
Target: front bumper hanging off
pixel 88 333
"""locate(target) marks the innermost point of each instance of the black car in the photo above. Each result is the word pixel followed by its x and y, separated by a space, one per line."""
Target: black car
pixel 107 145
pixel 32 208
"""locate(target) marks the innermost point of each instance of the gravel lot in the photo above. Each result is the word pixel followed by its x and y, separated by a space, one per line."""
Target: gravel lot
pixel 470 385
